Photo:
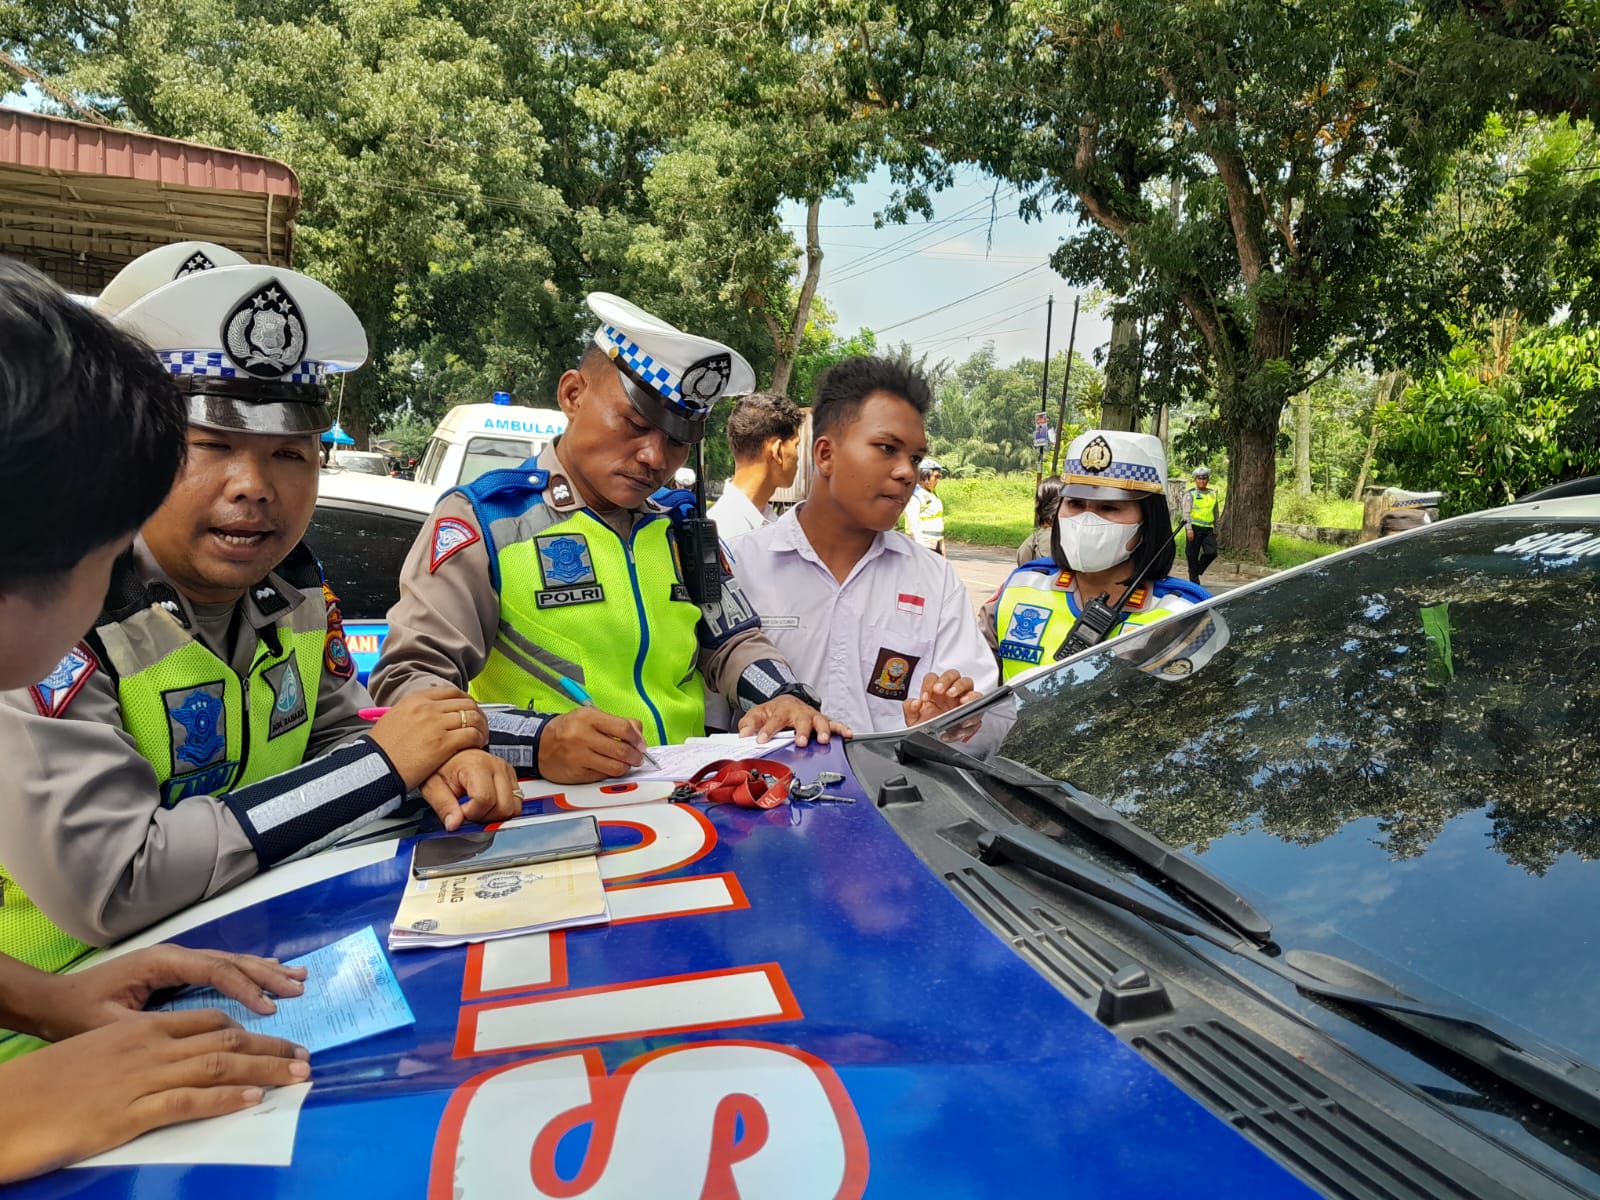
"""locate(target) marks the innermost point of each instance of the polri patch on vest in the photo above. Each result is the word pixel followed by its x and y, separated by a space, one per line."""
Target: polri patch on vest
pixel 564 559
pixel 449 535
pixel 891 675
pixel 1025 634
pixel 197 723
pixel 55 691
pixel 288 697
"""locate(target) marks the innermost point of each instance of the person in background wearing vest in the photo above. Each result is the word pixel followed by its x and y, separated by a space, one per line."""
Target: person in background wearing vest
pixel 208 727
pixel 1200 524
pixel 764 435
pixel 560 586
pixel 91 434
pixel 1111 523
pixel 925 511
pixel 883 626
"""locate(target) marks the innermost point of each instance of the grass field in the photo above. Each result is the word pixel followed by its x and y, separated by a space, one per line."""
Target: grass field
pixel 988 512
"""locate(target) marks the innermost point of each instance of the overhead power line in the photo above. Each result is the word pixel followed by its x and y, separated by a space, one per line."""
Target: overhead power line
pixel 963 299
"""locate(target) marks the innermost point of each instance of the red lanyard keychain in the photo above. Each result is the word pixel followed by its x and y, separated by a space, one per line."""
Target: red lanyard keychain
pixel 747 782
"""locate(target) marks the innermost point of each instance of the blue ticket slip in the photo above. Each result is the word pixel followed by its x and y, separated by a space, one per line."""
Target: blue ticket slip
pixel 351 993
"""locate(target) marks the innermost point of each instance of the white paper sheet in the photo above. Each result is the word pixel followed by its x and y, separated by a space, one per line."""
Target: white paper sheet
pixel 262 1136
pixel 678 763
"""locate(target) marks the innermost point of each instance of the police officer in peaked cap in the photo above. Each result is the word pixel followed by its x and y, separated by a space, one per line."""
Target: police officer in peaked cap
pixel 208 727
pixel 562 580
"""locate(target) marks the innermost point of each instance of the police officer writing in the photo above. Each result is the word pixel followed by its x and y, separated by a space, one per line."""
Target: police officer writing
pixel 74 486
pixel 1111 534
pixel 1200 524
pixel 208 727
pixel 562 579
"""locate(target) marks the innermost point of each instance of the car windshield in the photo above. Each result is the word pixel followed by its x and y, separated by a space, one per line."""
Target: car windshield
pixel 1394 754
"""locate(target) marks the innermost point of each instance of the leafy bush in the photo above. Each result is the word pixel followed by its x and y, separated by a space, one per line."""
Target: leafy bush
pixel 1487 426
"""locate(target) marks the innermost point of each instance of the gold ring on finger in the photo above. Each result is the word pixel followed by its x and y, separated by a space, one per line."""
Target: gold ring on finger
pixel 462 713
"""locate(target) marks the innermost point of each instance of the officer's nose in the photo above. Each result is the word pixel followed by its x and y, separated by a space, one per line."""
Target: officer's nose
pixel 653 450
pixel 248 478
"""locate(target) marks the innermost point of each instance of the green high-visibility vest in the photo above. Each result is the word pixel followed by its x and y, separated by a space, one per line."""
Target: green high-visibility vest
pixel 1035 614
pixel 203 728
pixel 577 600
pixel 1203 507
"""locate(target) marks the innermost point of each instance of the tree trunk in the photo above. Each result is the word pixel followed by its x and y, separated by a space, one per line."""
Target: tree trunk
pixel 783 366
pixel 1119 403
pixel 1252 475
pixel 1302 445
pixel 1366 462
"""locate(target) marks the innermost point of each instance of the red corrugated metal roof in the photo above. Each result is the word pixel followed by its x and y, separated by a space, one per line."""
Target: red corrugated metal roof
pixel 29 139
pixel 81 201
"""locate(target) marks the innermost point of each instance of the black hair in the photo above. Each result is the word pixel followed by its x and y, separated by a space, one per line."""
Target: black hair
pixel 1156 546
pixel 91 431
pixel 843 387
pixel 757 417
pixel 1046 499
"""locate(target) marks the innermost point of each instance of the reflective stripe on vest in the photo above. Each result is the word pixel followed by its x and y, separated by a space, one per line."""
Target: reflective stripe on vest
pixel 1035 614
pixel 578 601
pixel 181 705
pixel 931 519
pixel 1202 507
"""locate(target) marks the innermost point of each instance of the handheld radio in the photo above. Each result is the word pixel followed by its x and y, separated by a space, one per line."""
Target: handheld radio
pixel 699 550
pixel 1098 617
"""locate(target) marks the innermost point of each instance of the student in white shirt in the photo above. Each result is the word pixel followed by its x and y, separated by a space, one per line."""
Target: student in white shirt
pixel 879 625
pixel 764 434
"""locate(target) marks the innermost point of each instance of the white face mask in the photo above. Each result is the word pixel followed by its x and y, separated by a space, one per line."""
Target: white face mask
pixel 1092 543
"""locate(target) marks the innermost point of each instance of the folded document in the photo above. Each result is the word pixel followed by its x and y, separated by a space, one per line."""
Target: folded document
pixel 451 909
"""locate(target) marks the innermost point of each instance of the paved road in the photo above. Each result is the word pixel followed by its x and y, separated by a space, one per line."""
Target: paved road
pixel 984 568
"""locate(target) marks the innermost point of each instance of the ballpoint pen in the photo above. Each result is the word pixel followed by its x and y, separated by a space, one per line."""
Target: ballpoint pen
pixel 575 690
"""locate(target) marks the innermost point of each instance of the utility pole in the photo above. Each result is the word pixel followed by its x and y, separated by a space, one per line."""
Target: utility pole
pixel 1061 414
pixel 1044 386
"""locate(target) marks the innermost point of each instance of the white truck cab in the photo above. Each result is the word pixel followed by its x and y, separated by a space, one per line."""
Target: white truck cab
pixel 477 438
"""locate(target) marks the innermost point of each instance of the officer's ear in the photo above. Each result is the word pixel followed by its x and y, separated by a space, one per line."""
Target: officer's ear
pixel 570 389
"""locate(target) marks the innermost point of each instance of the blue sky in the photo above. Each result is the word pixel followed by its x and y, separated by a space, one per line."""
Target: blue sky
pixel 917 282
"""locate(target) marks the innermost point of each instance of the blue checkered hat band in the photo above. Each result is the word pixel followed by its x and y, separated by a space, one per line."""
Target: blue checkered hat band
pixel 656 374
pixel 215 365
pixel 1142 477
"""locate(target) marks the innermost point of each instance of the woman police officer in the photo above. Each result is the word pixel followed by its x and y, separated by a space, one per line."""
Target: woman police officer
pixel 1111 529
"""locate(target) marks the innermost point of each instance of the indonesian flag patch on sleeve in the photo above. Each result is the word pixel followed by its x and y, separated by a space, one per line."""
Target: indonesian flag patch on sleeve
pixel 907 603
pixel 55 691
pixel 449 535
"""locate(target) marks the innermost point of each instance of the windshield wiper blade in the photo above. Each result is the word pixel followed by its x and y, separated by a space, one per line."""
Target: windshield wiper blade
pixel 1566 1084
pixel 1570 1085
pixel 1095 815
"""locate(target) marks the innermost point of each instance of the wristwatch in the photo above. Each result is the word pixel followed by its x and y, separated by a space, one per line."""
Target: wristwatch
pixel 801 692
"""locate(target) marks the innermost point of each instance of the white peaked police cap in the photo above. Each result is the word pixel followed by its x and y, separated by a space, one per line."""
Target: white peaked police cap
pixel 251 346
pixel 161 266
pixel 1179 646
pixel 671 377
pixel 1109 464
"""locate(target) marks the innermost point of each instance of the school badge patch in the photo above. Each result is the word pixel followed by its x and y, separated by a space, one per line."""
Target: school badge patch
pixel 568 571
pixel 1025 633
pixel 55 691
pixel 288 697
pixel 891 675
pixel 449 535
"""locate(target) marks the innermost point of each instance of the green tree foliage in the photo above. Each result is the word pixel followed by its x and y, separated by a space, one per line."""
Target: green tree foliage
pixel 982 422
pixel 1494 422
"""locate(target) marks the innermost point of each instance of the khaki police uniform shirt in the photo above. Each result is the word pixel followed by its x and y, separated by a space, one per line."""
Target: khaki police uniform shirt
pixel 441 629
pixel 82 828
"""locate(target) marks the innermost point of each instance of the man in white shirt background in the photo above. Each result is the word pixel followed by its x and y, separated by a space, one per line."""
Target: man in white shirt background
pixel 925 511
pixel 764 434
pixel 880 626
